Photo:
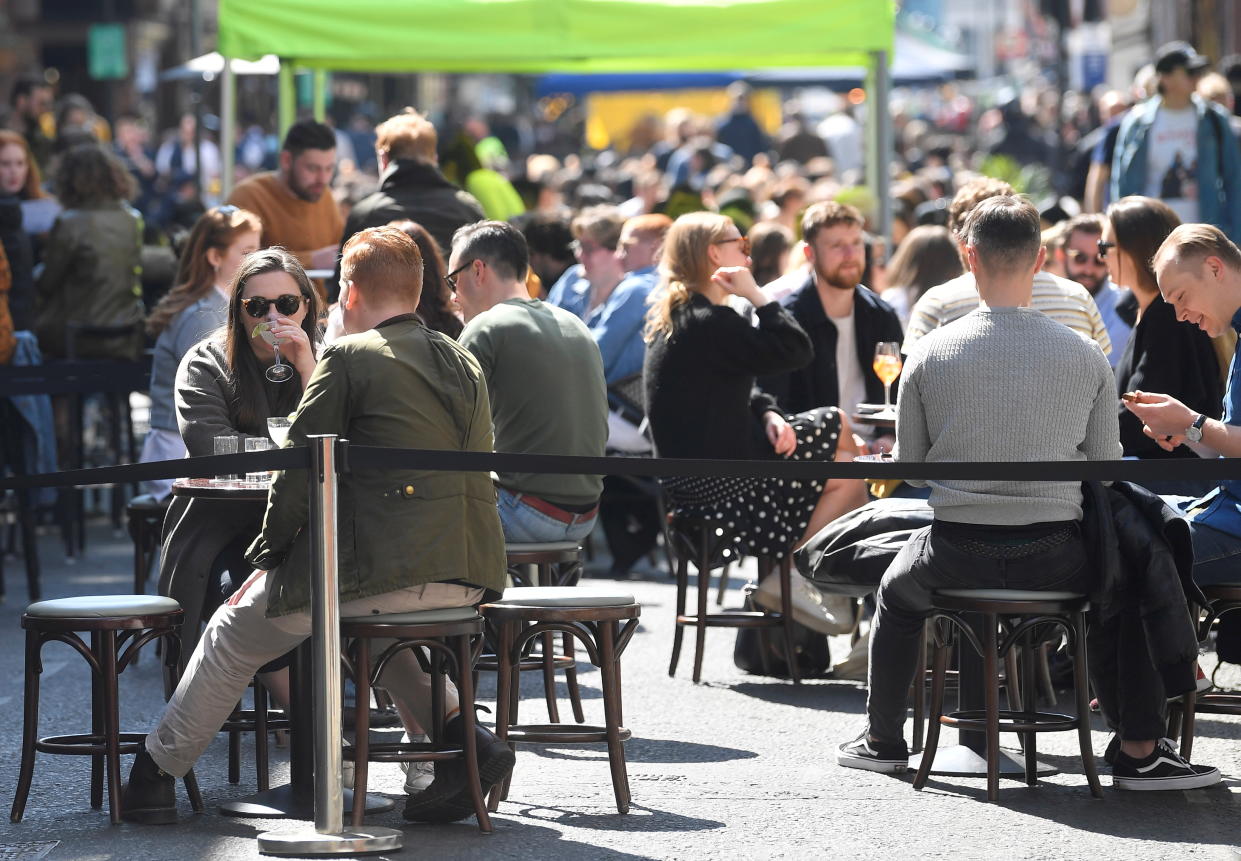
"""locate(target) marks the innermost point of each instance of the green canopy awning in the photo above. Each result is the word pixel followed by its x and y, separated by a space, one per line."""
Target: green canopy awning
pixel 557 35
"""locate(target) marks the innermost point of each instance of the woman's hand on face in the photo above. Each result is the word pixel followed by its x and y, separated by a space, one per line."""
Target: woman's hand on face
pixel 780 433
pixel 739 281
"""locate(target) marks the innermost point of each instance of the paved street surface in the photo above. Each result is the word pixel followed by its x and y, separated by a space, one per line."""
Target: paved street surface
pixel 737 767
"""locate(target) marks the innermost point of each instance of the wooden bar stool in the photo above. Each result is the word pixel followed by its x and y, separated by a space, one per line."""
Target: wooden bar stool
pixel 119 626
pixel 144 515
pixel 450 636
pixel 707 545
pixel 1221 598
pixel 260 720
pixel 592 617
pixel 1010 618
pixel 557 563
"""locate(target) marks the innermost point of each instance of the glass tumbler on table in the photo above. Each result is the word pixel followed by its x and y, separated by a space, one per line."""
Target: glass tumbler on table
pixel 278 430
pixel 258 443
pixel 227 444
pixel 887 367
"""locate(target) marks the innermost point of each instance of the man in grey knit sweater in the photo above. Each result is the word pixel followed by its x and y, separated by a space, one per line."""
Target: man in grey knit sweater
pixel 1003 383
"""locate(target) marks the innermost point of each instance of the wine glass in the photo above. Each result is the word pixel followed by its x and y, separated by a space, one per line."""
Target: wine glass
pixel 278 430
pixel 887 367
pixel 279 372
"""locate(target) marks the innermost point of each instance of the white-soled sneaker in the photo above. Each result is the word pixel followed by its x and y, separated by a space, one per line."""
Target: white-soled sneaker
pixel 418 775
pixel 870 755
pixel 1163 769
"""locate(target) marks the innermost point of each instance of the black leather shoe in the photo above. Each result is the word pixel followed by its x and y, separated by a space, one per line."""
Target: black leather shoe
pixel 447 799
pixel 149 796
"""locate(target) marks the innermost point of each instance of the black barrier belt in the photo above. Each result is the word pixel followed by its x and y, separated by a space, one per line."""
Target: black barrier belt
pixel 358 457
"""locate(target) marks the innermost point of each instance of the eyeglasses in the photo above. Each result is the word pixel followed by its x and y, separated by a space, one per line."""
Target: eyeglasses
pixel 1104 248
pixel 744 246
pixel 451 277
pixel 1081 258
pixel 256 306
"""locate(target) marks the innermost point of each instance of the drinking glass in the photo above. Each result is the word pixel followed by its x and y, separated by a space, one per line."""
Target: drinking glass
pixel 279 372
pixel 226 443
pixel 258 443
pixel 278 430
pixel 887 367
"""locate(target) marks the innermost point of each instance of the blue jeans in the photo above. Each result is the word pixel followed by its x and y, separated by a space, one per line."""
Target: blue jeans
pixel 525 525
pixel 932 560
pixel 1216 553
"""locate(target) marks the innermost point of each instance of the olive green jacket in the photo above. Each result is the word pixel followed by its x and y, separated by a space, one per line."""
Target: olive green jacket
pixel 399 385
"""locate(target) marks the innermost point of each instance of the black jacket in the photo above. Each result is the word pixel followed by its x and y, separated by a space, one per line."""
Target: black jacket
pixel 700 393
pixel 20 253
pixel 419 192
pixel 1143 559
pixel 1168 356
pixel 816 384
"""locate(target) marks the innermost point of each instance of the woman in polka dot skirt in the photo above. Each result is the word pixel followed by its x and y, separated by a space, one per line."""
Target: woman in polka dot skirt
pixel 701 362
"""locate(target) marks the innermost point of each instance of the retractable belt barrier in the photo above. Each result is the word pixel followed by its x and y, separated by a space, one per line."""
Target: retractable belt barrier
pixel 360 457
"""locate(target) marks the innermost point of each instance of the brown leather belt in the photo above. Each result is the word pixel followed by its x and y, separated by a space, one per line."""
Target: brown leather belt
pixel 555 512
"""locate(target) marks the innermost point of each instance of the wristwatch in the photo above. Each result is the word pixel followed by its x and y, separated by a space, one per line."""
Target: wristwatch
pixel 1193 433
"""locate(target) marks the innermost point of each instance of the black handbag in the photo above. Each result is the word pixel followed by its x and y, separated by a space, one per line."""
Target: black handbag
pixel 814 659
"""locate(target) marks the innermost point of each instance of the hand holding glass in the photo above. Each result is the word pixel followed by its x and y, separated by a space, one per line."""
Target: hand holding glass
pixel 279 372
pixel 887 367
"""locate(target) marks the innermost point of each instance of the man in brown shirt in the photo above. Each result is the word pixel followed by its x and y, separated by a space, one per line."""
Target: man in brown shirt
pixel 295 202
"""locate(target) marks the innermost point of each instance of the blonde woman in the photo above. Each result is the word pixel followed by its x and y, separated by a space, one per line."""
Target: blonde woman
pixel 701 362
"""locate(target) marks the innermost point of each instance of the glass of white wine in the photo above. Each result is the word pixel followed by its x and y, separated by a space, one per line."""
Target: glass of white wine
pixel 887 367
pixel 278 430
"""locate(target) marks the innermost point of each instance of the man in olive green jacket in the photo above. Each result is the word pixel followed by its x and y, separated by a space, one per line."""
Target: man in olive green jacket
pixel 408 540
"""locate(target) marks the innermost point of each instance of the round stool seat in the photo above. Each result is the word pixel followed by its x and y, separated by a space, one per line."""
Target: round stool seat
pixel 1223 592
pixel 560 596
pixel 543 547
pixel 1009 594
pixel 420 617
pixel 103 607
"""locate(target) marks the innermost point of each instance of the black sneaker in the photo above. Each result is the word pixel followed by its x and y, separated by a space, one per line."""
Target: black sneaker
pixel 1113 748
pixel 448 799
pixel 149 796
pixel 886 758
pixel 1163 769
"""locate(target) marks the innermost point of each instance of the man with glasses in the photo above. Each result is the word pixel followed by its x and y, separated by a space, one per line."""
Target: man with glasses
pixel 544 379
pixel 1084 260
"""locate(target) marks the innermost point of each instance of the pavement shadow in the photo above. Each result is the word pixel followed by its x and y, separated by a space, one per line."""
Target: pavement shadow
pixel 638 818
pixel 647 750
pixel 836 695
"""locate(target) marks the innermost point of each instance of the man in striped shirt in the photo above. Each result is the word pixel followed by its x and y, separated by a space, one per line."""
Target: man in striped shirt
pixel 1062 300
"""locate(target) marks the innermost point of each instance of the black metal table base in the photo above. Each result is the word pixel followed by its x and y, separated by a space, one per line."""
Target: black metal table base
pixel 283 802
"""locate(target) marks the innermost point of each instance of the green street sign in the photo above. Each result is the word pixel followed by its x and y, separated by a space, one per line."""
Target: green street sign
pixel 105 52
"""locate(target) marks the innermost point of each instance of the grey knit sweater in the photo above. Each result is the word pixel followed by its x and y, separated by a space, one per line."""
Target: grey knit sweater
pixel 1006 384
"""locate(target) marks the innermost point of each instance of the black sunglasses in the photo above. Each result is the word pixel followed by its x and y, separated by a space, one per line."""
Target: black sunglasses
pixel 1104 248
pixel 1081 258
pixel 451 277
pixel 286 305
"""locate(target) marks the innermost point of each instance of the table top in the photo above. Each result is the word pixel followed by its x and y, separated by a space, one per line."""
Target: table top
pixel 221 488
pixel 878 420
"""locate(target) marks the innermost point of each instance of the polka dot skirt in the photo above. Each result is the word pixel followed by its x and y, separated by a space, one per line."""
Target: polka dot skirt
pixel 768 515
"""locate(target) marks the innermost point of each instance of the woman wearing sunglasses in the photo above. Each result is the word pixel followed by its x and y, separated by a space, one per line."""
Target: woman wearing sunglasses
pixel 701 362
pixel 191 310
pixel 1163 354
pixel 222 389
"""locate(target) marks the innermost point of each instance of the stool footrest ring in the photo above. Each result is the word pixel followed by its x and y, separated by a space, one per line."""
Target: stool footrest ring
pixel 1011 721
pixel 553 733
pixel 88 744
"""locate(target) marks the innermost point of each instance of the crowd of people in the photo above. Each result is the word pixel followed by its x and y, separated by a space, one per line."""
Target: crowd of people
pixel 714 292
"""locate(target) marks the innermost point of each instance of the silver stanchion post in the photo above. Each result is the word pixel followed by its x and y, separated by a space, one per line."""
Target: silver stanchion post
pixel 329 837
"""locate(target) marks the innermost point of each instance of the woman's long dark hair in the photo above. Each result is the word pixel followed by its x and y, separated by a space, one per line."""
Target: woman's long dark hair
pixel 435 304
pixel 1140 225
pixel 254 397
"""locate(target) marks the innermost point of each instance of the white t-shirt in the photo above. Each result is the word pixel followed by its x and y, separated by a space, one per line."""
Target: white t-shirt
pixel 848 372
pixel 1172 161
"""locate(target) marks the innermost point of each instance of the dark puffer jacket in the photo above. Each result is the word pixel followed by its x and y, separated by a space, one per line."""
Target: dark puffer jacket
pixel 91 277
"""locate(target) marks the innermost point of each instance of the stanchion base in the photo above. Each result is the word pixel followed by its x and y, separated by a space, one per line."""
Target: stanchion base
pixel 308 843
pixel 282 802
pixel 961 761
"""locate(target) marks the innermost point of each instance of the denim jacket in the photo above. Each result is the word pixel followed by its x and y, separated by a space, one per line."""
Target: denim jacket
pixel 1221 508
pixel 1219 170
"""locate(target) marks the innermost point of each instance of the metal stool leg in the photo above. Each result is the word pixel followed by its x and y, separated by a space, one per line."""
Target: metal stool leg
pixel 30 724
pixel 939 674
pixel 612 714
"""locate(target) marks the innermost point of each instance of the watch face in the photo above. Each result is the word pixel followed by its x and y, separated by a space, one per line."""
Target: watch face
pixel 1193 433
